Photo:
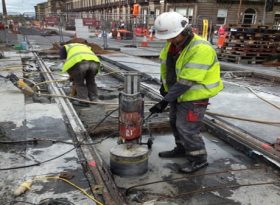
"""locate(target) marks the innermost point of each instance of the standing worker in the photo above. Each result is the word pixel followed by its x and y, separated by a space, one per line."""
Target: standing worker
pixel 221 30
pixel 190 75
pixel 221 36
pixel 82 65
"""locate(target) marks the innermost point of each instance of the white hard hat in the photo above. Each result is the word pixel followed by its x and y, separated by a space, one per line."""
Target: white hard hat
pixel 170 24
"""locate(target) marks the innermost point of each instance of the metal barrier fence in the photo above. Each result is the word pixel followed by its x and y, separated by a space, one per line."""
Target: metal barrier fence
pixel 87 24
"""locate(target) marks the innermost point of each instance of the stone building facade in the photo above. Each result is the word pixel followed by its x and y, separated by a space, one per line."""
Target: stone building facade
pixel 218 12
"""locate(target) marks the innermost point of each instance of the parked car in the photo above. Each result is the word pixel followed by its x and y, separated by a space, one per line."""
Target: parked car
pixel 70 27
pixel 49 33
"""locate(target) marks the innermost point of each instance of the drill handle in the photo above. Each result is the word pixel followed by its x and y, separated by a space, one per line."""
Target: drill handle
pixel 13 78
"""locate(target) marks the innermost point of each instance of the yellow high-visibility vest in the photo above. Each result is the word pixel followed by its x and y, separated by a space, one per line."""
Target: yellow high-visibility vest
pixel 76 53
pixel 197 63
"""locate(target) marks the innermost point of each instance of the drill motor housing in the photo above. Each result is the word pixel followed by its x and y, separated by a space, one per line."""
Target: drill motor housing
pixel 131 114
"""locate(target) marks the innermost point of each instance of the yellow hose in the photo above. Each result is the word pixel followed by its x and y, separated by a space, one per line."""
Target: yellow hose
pixel 72 184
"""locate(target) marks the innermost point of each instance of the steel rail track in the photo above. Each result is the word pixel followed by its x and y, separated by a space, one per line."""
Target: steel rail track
pixel 117 72
pixel 99 177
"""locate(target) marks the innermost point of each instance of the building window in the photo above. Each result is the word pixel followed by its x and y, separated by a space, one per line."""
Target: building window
pixel 222 16
pixel 276 23
pixel 249 16
pixel 187 12
pixel 157 12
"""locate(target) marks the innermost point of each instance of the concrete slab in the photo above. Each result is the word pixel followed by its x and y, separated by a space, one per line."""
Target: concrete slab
pixel 272 71
pixel 240 102
pixel 141 52
pixel 20 121
pixel 128 62
pixel 190 189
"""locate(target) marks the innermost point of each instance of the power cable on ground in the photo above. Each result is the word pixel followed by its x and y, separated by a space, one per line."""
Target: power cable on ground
pixel 209 189
pixel 36 140
pixel 191 176
pixel 58 156
pixel 15 202
pixel 148 103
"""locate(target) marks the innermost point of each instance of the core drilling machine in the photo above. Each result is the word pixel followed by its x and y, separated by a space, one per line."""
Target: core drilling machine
pixel 129 157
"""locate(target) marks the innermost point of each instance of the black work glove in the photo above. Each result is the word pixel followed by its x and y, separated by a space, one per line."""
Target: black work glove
pixel 162 91
pixel 159 107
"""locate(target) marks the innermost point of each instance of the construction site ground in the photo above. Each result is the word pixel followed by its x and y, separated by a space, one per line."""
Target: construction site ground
pixel 237 173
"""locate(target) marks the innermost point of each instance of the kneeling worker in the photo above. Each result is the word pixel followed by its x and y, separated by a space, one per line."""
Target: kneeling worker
pixel 82 65
pixel 190 75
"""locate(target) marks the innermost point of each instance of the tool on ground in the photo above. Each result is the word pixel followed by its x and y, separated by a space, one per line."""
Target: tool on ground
pixel 130 157
pixel 19 83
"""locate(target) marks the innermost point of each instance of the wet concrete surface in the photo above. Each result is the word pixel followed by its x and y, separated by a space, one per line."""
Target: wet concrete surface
pixel 20 121
pixel 243 103
pixel 222 158
pixel 147 67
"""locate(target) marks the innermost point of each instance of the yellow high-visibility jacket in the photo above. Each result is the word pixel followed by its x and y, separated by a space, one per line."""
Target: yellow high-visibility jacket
pixel 198 64
pixel 76 53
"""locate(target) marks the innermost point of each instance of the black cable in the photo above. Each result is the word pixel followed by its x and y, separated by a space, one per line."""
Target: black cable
pixel 36 140
pixel 47 201
pixel 100 141
pixel 1 76
pixel 13 202
pixel 191 176
pixel 58 201
pixel 51 159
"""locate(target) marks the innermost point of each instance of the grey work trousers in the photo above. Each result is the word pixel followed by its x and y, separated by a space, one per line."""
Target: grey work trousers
pixel 186 122
pixel 83 76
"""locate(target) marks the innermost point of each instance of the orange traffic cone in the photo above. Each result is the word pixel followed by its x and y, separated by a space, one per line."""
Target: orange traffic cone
pixel 144 42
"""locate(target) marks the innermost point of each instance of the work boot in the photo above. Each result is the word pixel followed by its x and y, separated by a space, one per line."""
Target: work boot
pixel 80 104
pixel 178 151
pixel 193 166
pixel 93 98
